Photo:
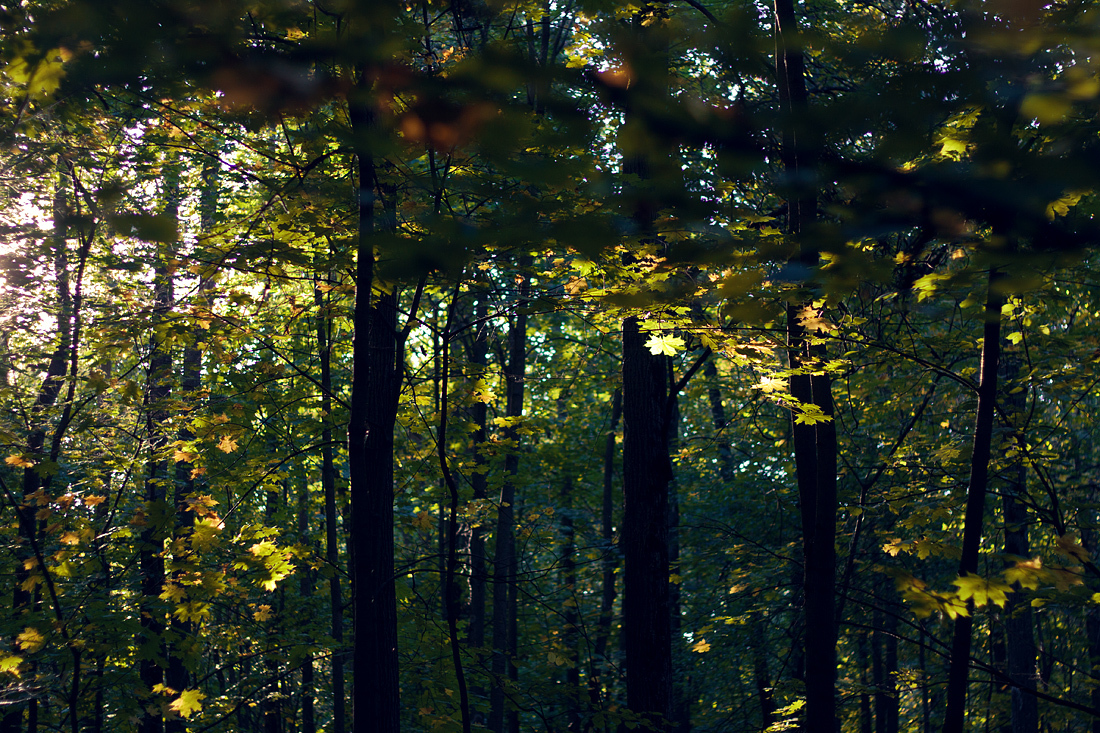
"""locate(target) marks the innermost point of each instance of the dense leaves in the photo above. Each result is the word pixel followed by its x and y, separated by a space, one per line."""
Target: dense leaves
pixel 231 230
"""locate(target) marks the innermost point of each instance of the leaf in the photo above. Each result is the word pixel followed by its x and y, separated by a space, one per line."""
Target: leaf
pixel 1068 544
pixel 1027 573
pixel 19 461
pixel 189 702
pixel 262 613
pixel 982 591
pixel 227 444
pixel 700 647
pixel 31 640
pixel 10 664
pixel 667 345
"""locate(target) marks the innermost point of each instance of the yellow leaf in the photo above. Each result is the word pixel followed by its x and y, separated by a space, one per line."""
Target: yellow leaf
pixel 227 444
pixel 982 591
pixel 93 500
pixel 262 613
pixel 700 647
pixel 10 664
pixel 1027 573
pixel 189 701
pixel 31 640
pixel 667 345
pixel 182 456
pixel 173 593
pixel 19 461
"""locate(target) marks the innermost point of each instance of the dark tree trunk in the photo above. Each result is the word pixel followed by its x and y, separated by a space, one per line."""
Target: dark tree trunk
pixel 328 487
pixel 601 669
pixel 647 638
pixel 1019 625
pixel 505 561
pixel 681 693
pixel 305 592
pixel 479 480
pixel 13 718
pixel 814 441
pixel 377 373
pixel 160 491
pixel 957 682
pixel 718 418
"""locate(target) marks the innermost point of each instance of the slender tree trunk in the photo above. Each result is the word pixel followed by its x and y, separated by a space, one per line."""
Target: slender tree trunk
pixel 718 418
pixel 328 487
pixel 1019 626
pixel 479 575
pixel 377 374
pixel 505 562
pixel 160 491
pixel 26 713
pixel 601 671
pixel 682 662
pixel 815 443
pixel 305 592
pixel 957 683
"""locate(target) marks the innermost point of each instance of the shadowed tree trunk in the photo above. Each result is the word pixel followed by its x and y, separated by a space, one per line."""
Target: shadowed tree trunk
pixel 647 469
pixel 959 670
pixel 505 562
pixel 377 374
pixel 815 444
pixel 159 488
pixel 1019 626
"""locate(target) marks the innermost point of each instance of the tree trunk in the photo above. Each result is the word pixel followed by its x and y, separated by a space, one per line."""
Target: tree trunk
pixel 814 440
pixel 328 487
pixel 598 676
pixel 1019 625
pixel 377 374
pixel 159 484
pixel 305 592
pixel 647 638
pixel 957 682
pixel 479 480
pixel 505 563
pixel 718 418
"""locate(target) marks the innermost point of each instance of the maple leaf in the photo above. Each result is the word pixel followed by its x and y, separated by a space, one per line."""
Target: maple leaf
pixel 667 345
pixel 700 647
pixel 189 702
pixel 10 664
pixel 811 320
pixel 19 461
pixel 262 613
pixel 93 500
pixel 982 591
pixel 173 593
pixel 227 444
pixel 1027 573
pixel 1069 545
pixel 31 640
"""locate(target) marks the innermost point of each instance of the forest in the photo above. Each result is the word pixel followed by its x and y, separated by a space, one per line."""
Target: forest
pixel 549 365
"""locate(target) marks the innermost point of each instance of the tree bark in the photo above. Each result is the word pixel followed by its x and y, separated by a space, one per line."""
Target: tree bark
pixel 647 638
pixel 505 562
pixel 328 487
pixel 957 682
pixel 1019 625
pixel 160 489
pixel 815 443
pixel 377 373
